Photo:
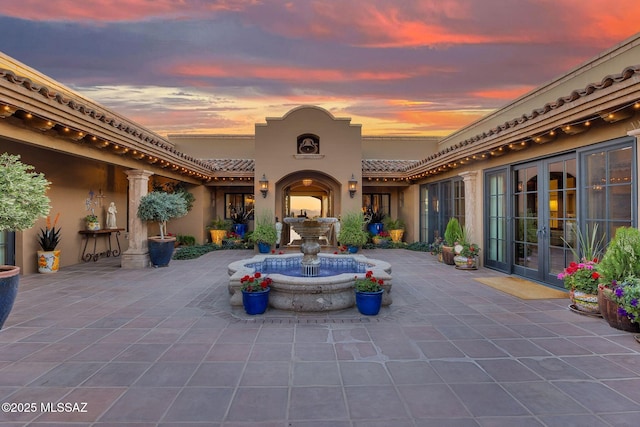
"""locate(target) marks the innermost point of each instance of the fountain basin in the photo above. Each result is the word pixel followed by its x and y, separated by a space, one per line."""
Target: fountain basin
pixel 292 292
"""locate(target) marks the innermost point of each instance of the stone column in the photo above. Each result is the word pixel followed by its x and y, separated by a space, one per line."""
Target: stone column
pixel 472 221
pixel 137 255
pixel 636 134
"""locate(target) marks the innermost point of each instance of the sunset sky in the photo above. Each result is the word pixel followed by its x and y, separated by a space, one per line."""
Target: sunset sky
pixel 410 67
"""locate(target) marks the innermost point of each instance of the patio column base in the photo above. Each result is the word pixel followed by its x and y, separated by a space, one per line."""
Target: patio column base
pixel 134 260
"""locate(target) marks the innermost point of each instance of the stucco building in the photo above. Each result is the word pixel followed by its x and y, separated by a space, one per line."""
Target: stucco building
pixel 522 179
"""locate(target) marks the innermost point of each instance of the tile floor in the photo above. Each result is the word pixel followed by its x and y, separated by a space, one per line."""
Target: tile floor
pixel 162 347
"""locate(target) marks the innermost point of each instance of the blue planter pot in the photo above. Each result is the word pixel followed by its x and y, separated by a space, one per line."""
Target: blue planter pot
pixel 9 278
pixel 369 303
pixel 375 228
pixel 240 229
pixel 160 251
pixel 255 302
pixel 264 248
pixel 352 249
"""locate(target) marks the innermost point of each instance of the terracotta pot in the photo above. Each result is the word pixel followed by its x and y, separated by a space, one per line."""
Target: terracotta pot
pixel 609 311
pixel 448 255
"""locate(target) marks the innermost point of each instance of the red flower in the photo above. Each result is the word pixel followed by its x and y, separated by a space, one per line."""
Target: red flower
pixel 257 275
pixel 595 275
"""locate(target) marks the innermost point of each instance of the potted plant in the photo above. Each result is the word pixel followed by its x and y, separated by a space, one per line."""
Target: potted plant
pixel 581 277
pixel 218 228
pixel 160 207
pixel 49 257
pixel 381 239
pixel 374 219
pixel 395 228
pixel 627 296
pixel 467 258
pixel 91 222
pixel 452 236
pixel 22 201
pixel 619 265
pixel 368 294
pixel 352 232
pixel 255 293
pixel 264 234
pixel 240 219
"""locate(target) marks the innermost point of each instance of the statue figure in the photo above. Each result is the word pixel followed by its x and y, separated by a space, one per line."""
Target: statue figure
pixel 111 216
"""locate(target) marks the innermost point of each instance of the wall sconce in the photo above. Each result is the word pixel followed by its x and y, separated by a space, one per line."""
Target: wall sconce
pixel 264 185
pixel 352 186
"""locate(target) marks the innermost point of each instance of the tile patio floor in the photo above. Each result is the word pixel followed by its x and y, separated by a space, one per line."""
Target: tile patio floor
pixel 162 347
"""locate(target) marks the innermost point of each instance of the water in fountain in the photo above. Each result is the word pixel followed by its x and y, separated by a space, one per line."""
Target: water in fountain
pixel 310 230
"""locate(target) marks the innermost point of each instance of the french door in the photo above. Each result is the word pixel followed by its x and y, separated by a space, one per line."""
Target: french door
pixel 544 217
pixel 530 214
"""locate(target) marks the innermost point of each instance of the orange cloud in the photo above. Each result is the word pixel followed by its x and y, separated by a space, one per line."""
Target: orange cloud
pixel 502 93
pixel 289 74
pixel 440 120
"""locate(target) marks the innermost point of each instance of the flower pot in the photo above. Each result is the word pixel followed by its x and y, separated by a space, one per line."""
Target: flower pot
pixel 255 302
pixel 264 248
pixel 609 311
pixel 217 236
pixel 9 278
pixel 48 261
pixel 396 235
pixel 352 249
pixel 375 228
pixel 93 225
pixel 161 250
pixel 584 302
pixel 448 255
pixel 240 229
pixel 369 303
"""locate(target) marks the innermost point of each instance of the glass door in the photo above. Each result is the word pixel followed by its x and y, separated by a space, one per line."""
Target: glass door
pixel 496 224
pixel 544 214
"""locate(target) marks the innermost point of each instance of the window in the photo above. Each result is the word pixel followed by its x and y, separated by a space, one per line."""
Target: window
pixel 239 203
pixel 377 202
pixel 608 187
pixel 441 201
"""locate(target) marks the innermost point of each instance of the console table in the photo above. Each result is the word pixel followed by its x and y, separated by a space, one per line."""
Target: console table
pixel 95 255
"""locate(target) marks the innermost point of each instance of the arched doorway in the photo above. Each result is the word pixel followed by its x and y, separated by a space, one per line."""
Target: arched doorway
pixel 307 193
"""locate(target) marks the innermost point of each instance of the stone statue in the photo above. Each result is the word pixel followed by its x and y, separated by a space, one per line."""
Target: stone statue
pixel 111 216
pixel 278 232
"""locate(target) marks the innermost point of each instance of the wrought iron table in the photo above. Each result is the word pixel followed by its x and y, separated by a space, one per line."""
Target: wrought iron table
pixel 95 255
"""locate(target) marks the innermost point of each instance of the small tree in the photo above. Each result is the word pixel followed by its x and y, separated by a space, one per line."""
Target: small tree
pixel 160 207
pixel 352 229
pixel 22 194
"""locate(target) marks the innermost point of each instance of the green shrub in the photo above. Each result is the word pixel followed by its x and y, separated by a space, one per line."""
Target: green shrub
pixel 622 257
pixel 195 251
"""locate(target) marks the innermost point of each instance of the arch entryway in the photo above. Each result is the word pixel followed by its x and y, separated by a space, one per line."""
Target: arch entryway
pixel 308 184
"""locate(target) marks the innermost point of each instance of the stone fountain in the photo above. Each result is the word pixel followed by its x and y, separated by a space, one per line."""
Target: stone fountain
pixel 310 230
pixel 313 281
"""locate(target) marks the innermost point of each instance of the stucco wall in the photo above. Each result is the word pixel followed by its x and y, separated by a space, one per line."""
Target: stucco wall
pixel 71 180
pixel 340 153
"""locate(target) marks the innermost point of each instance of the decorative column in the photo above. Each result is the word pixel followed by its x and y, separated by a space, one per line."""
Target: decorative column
pixel 137 255
pixel 472 222
pixel 636 134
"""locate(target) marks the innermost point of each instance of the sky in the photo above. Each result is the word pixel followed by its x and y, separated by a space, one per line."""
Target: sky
pixel 403 67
